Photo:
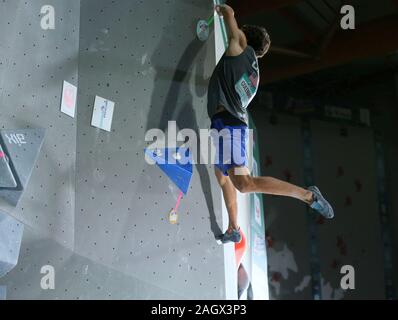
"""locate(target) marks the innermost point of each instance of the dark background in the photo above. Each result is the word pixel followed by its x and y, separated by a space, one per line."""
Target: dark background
pixel 312 64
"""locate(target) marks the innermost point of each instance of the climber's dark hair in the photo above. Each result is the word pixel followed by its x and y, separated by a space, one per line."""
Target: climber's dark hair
pixel 258 38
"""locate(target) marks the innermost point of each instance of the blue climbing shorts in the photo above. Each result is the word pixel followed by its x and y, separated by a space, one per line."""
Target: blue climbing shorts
pixel 229 137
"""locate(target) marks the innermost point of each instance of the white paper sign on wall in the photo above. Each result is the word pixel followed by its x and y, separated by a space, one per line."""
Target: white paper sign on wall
pixel 68 102
pixel 103 113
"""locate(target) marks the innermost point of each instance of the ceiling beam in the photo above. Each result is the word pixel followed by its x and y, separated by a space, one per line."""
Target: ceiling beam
pixel 328 37
pixel 251 7
pixel 373 39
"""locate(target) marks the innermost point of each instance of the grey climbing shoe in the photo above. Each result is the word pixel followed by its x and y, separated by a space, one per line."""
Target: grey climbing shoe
pixel 320 204
pixel 234 236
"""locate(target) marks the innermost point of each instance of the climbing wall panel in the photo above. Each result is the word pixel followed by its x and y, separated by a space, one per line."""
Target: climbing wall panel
pixel 144 56
pixel 33 65
pixel 345 169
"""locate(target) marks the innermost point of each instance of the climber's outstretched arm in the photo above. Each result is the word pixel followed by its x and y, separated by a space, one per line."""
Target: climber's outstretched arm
pixel 237 39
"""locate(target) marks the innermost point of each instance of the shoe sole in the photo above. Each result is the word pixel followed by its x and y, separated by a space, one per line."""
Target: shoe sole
pixel 317 191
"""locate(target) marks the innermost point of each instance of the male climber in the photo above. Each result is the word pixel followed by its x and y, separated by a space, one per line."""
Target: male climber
pixel 232 87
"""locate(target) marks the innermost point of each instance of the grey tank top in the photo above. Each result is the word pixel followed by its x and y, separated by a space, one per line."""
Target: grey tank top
pixel 233 84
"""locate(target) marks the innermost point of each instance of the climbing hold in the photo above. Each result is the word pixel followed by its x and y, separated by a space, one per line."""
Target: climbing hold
pixel 343 132
pixel 22 147
pixel 240 249
pixel 7 179
pixel 358 185
pixel 174 166
pixel 11 233
pixel 268 161
pixel 288 175
pixel 340 171
pixel 203 28
pixel 348 201
pixel 173 216
pixel 176 163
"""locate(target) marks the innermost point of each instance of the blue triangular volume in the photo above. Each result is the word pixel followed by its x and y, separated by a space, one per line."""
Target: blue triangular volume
pixel 176 163
pixel 22 147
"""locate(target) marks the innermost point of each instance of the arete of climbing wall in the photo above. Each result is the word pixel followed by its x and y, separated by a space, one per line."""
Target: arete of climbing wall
pixel 115 240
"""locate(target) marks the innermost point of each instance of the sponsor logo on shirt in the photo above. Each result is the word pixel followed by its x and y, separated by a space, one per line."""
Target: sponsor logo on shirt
pixel 246 88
